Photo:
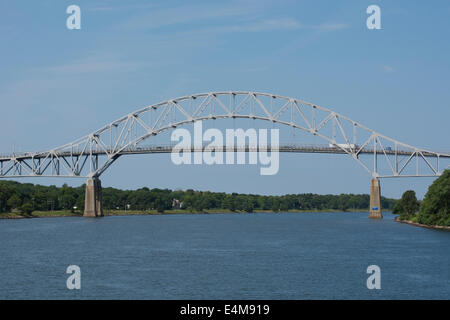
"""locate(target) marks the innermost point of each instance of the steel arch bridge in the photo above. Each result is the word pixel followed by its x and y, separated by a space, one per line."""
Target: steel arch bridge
pixel 92 154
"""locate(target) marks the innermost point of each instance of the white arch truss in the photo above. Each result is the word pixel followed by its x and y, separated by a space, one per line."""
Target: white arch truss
pixel 92 154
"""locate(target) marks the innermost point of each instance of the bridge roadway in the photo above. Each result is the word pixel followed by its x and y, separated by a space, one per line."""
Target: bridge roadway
pixel 150 149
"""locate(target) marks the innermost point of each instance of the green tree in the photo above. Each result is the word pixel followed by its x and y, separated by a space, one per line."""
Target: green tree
pixel 435 208
pixel 409 202
pixel 284 204
pixel 407 206
pixel 5 194
pixel 68 201
pixel 198 205
pixel 159 205
pixel 26 208
pixel 228 203
pixel 276 205
pixel 14 201
pixel 249 206
pixel 398 208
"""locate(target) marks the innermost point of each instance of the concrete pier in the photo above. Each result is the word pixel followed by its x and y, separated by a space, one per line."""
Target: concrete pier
pixel 375 199
pixel 93 198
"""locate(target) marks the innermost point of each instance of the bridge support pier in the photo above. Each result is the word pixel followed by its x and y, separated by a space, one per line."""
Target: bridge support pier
pixel 375 199
pixel 93 198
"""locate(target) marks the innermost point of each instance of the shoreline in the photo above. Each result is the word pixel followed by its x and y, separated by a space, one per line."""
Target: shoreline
pixel 62 214
pixel 416 224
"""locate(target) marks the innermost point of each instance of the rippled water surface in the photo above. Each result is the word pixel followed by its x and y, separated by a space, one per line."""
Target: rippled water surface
pixel 223 256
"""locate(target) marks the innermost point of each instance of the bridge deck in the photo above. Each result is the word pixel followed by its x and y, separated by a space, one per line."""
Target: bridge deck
pixel 149 149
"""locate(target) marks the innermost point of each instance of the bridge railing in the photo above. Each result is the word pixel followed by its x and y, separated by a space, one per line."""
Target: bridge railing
pixel 152 148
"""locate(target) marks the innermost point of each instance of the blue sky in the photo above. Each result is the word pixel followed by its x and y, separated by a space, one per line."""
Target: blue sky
pixel 58 84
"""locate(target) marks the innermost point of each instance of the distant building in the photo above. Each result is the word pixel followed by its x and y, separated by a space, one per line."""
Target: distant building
pixel 177 204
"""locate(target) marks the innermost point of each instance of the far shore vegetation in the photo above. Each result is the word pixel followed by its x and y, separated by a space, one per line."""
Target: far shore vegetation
pixel 18 200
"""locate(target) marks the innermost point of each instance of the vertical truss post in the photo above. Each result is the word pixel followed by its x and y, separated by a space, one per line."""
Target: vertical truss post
pixel 375 155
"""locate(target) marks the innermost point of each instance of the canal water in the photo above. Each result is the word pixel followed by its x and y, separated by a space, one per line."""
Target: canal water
pixel 223 256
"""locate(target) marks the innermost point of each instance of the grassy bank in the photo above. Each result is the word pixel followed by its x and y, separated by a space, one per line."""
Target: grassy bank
pixel 40 214
pixel 414 222
pixel 65 213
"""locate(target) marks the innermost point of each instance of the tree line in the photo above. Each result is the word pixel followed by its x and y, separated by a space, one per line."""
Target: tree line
pixel 435 207
pixel 29 197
